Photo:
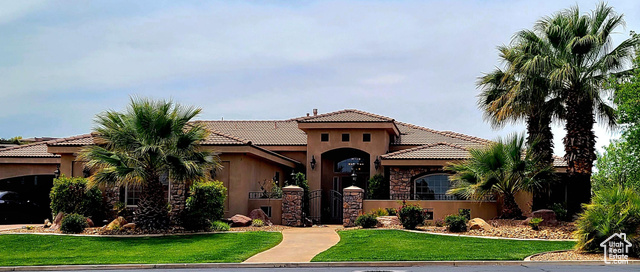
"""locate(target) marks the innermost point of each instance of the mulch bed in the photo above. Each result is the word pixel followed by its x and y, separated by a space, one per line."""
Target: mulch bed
pixel 100 231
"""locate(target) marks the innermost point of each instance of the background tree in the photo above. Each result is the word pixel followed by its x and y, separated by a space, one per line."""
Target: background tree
pixel 503 168
pixel 147 141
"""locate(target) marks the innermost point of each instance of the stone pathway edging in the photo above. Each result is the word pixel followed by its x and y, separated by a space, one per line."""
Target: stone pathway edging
pixel 299 245
pixel 528 258
pixel 490 237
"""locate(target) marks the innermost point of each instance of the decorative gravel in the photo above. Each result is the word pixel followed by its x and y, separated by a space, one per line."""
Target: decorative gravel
pixel 570 256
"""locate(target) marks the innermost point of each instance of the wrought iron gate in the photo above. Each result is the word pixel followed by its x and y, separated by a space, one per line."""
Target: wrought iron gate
pixel 335 200
pixel 315 203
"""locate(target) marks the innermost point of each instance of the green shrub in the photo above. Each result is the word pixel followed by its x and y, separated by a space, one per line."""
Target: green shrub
pixel 73 223
pixel 70 195
pixel 410 215
pixel 257 223
pixel 378 187
pixel 612 210
pixel 466 213
pixel 392 211
pixel 379 212
pixel 301 181
pixel 561 211
pixel 535 223
pixel 456 223
pixel 439 223
pixel 219 226
pixel 204 204
pixel 367 221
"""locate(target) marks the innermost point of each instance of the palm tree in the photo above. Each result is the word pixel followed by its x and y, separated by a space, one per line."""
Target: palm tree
pixel 150 140
pixel 575 52
pixel 512 96
pixel 503 168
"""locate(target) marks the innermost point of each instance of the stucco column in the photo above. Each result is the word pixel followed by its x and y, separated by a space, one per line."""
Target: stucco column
pixel 352 205
pixel 292 206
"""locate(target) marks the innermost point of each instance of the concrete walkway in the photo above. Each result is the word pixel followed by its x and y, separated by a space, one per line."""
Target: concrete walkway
pixel 299 245
pixel 14 226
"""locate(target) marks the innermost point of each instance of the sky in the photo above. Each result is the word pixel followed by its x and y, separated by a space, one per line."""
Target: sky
pixel 63 62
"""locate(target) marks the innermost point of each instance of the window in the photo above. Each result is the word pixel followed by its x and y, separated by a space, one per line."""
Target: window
pixel 345 137
pixel 366 137
pixel 349 165
pixel 433 187
pixel 266 210
pixel 324 137
pixel 132 193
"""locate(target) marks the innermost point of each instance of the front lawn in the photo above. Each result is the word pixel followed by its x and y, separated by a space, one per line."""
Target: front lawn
pixel 397 245
pixel 31 249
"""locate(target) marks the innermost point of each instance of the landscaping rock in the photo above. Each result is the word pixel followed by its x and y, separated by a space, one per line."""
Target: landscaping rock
pixel 308 222
pixel 117 223
pixel 129 226
pixel 260 214
pixel 388 221
pixel 57 221
pixel 548 217
pixel 479 223
pixel 90 222
pixel 47 223
pixel 240 220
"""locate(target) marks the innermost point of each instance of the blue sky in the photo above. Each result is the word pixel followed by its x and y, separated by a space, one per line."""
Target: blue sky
pixel 416 61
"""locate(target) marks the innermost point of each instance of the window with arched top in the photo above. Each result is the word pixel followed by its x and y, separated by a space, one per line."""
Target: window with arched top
pixel 432 187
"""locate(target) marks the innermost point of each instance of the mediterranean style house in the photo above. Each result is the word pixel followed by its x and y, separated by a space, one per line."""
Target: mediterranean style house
pixel 335 150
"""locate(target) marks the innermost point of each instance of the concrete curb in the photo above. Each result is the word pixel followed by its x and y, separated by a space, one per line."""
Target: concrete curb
pixel 298 265
pixel 528 258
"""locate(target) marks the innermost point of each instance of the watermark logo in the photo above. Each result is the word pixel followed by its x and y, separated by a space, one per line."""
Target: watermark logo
pixel 616 249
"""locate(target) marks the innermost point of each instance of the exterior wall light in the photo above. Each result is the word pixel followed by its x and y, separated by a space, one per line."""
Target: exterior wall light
pixel 313 162
pixel 376 163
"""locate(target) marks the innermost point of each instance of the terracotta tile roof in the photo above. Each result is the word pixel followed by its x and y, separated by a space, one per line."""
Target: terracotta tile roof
pixel 417 135
pixel 349 115
pixel 80 140
pixel 284 132
pixel 36 150
pixel 559 162
pixel 437 151
pixel 219 138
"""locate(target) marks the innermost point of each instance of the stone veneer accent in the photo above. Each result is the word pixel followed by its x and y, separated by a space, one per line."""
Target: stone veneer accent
pixel 352 205
pixel 401 179
pixel 111 197
pixel 292 206
pixel 178 200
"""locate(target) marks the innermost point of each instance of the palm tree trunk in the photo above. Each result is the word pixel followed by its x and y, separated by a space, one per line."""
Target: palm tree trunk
pixel 152 213
pixel 579 147
pixel 510 208
pixel 540 137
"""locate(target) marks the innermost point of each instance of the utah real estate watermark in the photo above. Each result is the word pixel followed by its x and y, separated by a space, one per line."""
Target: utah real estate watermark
pixel 616 249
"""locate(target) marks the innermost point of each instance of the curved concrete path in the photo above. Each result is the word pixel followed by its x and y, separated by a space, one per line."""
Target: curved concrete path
pixel 299 245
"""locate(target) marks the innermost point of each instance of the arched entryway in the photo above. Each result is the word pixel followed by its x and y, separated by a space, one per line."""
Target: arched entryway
pixel 341 168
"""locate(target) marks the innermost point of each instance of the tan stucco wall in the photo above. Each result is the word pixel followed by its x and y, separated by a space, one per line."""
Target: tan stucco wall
pixel 11 170
pixel 484 210
pixel 379 145
pixel 525 202
pixel 276 208
pixel 244 172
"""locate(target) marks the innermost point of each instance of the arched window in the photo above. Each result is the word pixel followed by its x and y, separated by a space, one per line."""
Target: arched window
pixel 432 187
pixel 348 165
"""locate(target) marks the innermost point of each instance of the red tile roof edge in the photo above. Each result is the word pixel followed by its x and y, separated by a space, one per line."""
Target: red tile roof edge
pixel 386 156
pixel 67 139
pixel 307 118
pixel 25 146
pixel 448 133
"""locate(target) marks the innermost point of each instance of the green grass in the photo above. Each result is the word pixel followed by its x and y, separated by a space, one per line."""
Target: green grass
pixel 397 245
pixel 30 249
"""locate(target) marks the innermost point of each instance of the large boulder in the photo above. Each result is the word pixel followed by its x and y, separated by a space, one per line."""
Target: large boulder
pixel 388 221
pixel 240 220
pixel 478 223
pixel 260 214
pixel 47 223
pixel 90 222
pixel 117 223
pixel 129 226
pixel 57 221
pixel 548 217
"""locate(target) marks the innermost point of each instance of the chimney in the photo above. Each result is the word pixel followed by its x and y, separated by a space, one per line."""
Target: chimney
pixel 315 112
pixel 307 114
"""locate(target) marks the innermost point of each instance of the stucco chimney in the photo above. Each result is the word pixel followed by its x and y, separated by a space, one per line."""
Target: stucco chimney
pixel 315 112
pixel 307 114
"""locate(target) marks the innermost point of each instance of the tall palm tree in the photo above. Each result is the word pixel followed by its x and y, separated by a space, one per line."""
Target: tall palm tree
pixel 502 168
pixel 510 95
pixel 138 147
pixel 576 52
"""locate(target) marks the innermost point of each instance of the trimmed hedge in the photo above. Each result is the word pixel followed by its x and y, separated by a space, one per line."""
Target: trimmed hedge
pixel 72 195
pixel 204 204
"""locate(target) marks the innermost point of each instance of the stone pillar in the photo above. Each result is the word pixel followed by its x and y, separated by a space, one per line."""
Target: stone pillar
pixel 352 205
pixel 292 206
pixel 111 198
pixel 178 201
